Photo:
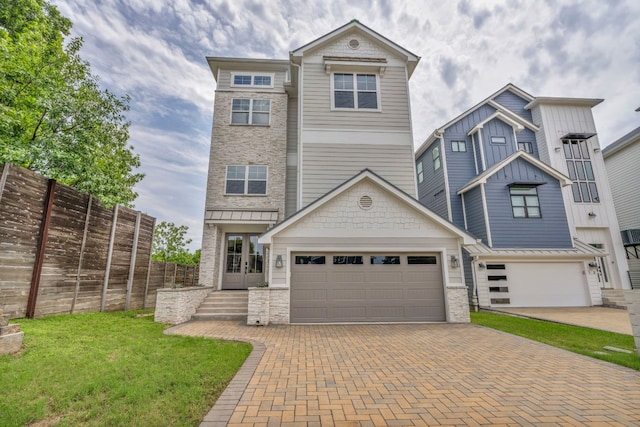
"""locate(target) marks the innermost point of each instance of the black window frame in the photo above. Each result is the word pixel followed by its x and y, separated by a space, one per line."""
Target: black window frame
pixel 529 208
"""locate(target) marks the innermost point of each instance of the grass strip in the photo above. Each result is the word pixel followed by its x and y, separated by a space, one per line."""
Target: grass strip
pixel 113 369
pixel 587 341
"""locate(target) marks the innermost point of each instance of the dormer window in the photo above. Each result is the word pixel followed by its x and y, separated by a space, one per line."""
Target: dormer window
pixel 355 91
pixel 251 80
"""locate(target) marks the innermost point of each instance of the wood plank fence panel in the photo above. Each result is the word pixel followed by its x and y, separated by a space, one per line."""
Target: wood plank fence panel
pixel 73 269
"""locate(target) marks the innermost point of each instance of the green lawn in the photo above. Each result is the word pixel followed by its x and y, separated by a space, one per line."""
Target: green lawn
pixel 587 341
pixel 112 369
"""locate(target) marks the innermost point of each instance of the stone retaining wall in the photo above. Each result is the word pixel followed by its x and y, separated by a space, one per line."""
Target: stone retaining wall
pixel 268 305
pixel 175 306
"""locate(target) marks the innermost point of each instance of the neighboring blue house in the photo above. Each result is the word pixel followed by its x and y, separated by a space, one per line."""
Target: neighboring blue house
pixel 525 176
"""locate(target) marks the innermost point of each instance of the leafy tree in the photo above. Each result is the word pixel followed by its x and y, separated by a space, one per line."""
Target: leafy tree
pixel 169 244
pixel 54 117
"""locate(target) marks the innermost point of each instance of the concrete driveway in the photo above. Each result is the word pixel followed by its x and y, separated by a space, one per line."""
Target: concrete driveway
pixel 427 374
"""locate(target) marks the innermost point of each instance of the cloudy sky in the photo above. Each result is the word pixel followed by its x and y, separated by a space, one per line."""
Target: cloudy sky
pixel 155 51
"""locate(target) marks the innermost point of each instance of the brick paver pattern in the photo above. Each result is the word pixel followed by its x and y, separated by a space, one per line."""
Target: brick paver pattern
pixel 421 374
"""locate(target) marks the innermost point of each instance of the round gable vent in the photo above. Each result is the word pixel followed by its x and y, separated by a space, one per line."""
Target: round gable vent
pixel 365 202
pixel 354 44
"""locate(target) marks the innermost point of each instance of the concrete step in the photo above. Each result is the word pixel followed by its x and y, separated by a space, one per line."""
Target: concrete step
pixel 613 298
pixel 223 305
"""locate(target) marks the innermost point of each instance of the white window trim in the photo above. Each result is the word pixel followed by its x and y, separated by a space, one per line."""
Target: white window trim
pixel 246 182
pixel 250 113
pixel 355 91
pixel 253 76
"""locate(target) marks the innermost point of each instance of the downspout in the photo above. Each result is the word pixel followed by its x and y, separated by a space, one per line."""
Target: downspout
pixel 474 294
pixel 299 133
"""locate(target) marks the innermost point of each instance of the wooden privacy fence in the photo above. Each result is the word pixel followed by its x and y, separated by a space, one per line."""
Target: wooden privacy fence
pixel 63 252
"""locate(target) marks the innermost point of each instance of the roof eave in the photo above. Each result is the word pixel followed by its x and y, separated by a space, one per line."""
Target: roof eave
pixel 587 102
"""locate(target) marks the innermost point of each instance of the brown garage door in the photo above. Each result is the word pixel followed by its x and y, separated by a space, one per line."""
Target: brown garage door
pixel 334 287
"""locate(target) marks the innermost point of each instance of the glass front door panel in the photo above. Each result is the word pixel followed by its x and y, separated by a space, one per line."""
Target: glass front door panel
pixel 234 254
pixel 256 256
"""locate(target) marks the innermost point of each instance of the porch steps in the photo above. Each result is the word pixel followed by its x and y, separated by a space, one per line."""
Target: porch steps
pixel 613 298
pixel 223 305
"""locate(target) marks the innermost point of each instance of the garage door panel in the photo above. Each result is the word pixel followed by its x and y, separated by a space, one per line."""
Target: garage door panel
pixel 366 292
pixel 347 294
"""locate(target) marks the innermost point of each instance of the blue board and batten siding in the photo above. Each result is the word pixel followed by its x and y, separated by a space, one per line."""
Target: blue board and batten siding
pixel 551 230
pixel 431 190
pixel 476 224
pixel 514 103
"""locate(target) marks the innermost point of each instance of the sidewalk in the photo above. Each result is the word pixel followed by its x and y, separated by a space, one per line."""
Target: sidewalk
pixel 607 319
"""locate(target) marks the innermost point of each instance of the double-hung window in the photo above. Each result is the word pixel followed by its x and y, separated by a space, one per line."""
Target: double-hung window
pixel 246 180
pixel 524 202
pixel 355 91
pixel 420 172
pixel 246 111
pixel 435 155
pixel 252 80
pixel 584 188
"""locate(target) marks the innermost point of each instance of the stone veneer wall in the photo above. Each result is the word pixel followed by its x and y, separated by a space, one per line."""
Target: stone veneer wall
pixel 268 305
pixel 632 298
pixel 175 306
pixel 458 305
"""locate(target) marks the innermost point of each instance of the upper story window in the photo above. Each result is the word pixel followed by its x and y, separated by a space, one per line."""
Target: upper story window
pixel 435 155
pixel 355 91
pixel 420 171
pixel 250 111
pixel 246 180
pixel 584 187
pixel 524 202
pixel 252 80
pixel 526 147
pixel 498 140
pixel 458 146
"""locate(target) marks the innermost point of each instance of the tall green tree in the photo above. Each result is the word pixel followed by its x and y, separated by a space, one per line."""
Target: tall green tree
pixel 170 244
pixel 55 118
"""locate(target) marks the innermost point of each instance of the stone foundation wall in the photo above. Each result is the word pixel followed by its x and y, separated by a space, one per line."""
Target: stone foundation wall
pixel 175 306
pixel 458 305
pixel 632 299
pixel 268 305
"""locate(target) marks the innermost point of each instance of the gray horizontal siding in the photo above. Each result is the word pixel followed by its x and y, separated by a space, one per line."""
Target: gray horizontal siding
pixel 431 189
pixel 549 231
pixel 291 191
pixel 496 152
pixel 394 114
pixel 325 166
pixel 224 81
pixel 475 213
pixel 291 185
pixel 514 103
pixel 624 175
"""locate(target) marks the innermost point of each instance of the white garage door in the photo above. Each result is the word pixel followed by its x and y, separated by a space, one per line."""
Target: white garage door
pixel 334 287
pixel 537 285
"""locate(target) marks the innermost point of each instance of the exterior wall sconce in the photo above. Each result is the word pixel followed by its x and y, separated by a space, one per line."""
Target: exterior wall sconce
pixel 278 261
pixel 592 214
pixel 596 150
pixel 558 149
pixel 481 265
pixel 593 264
pixel 454 262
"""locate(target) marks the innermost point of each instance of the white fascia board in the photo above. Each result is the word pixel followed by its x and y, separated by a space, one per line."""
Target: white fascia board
pixel 482 178
pixel 500 116
pixel 586 102
pixel 435 135
pixel 513 116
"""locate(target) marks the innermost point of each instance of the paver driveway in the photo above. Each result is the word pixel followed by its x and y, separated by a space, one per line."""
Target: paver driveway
pixel 426 374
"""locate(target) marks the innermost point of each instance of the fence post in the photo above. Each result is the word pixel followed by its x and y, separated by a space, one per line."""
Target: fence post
pixel 3 179
pixel 105 285
pixel 132 263
pixel 175 273
pixel 146 286
pixel 42 243
pixel 82 245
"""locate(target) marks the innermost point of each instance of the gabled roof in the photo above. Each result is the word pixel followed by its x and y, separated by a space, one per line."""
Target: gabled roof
pixel 509 87
pixel 367 174
pixel 520 154
pixel 500 116
pixel 630 138
pixel 411 58
pixel 580 250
